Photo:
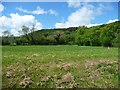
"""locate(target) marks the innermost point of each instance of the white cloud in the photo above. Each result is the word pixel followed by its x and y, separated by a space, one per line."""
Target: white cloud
pixel 102 8
pixel 91 25
pixel 1 7
pixel 73 3
pixel 1 32
pixel 22 10
pixel 53 12
pixel 16 21
pixel 110 21
pixel 38 11
pixel 14 32
pixel 82 16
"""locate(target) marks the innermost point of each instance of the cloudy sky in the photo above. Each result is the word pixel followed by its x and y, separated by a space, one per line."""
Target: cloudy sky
pixel 55 14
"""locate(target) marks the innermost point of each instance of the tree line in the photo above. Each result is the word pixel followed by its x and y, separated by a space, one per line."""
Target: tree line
pixel 102 35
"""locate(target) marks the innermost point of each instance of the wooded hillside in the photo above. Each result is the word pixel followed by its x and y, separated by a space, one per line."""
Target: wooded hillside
pixel 102 35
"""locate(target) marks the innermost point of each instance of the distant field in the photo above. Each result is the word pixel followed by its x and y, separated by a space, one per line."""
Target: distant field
pixel 59 67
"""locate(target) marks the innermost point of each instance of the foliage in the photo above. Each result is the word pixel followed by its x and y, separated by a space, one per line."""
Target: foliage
pixel 102 35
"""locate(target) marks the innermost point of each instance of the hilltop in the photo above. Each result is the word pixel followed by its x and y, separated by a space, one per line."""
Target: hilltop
pixel 101 35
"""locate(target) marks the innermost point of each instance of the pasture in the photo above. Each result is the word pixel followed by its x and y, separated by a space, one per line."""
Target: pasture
pixel 67 66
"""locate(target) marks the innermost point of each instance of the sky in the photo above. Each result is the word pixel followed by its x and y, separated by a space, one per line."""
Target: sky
pixel 46 15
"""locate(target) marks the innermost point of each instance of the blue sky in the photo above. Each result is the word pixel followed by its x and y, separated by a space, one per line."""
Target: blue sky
pixel 56 14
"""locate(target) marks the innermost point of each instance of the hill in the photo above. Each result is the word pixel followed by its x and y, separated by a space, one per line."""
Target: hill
pixel 102 35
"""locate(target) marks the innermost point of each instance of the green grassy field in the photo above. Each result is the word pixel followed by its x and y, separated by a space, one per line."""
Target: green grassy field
pixel 59 67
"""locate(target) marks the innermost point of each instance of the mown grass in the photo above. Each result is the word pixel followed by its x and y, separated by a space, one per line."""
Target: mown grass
pixel 59 67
